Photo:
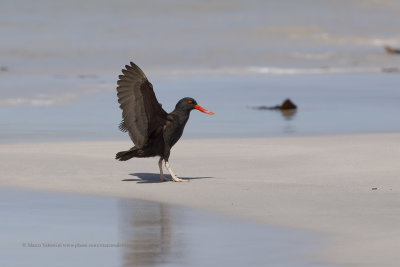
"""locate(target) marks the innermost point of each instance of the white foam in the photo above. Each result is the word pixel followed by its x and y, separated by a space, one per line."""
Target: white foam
pixel 312 71
pixel 20 101
pixel 266 70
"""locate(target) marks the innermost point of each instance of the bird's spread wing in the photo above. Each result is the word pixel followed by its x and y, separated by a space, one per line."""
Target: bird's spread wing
pixel 141 112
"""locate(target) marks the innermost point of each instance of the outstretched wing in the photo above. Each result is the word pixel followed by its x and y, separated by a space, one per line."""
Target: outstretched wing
pixel 141 112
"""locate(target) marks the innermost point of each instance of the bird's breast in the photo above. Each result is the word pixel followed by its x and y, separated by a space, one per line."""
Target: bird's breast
pixel 173 130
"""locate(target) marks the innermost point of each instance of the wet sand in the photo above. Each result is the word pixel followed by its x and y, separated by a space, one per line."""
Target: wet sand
pixel 343 187
pixel 58 229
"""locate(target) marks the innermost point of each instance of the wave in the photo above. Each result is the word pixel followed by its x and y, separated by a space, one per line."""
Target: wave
pixel 46 92
pixel 277 70
pixel 36 101
pixel 313 71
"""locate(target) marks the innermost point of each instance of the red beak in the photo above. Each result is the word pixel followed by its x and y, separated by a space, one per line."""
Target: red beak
pixel 203 110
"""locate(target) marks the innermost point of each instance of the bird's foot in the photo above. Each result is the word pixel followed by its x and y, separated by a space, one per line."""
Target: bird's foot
pixel 176 179
pixel 164 179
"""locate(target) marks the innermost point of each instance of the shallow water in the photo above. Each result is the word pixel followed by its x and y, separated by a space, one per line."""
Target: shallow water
pixel 328 104
pixel 53 229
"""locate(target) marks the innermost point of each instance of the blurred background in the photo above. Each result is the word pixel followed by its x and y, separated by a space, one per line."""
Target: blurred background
pixel 60 60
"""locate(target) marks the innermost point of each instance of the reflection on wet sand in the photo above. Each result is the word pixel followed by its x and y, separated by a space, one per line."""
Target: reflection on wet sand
pixel 148 229
pixel 158 234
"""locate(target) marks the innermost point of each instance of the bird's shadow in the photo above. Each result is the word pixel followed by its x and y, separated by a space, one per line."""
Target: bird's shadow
pixel 145 178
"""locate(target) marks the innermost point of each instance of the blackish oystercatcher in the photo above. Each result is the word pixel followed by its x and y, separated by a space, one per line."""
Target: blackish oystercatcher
pixel 151 128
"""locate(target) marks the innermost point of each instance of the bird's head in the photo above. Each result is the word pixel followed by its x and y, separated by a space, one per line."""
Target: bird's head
pixel 189 104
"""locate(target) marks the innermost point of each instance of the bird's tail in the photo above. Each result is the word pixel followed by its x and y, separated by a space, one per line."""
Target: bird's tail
pixel 134 152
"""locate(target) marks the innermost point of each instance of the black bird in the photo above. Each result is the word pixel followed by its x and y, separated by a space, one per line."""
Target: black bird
pixel 151 128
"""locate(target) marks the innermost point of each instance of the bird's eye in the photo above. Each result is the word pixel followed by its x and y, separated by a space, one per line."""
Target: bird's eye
pixel 190 101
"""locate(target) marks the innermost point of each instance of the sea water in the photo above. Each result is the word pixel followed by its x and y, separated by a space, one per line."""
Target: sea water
pixel 327 104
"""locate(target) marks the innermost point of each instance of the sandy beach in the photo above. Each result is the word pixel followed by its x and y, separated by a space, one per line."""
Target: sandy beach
pixel 344 187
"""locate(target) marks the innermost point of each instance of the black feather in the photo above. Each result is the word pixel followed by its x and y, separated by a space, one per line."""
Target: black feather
pixel 122 127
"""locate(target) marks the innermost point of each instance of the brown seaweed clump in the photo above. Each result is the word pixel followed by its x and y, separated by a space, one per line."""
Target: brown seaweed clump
pixel 287 105
pixel 391 50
